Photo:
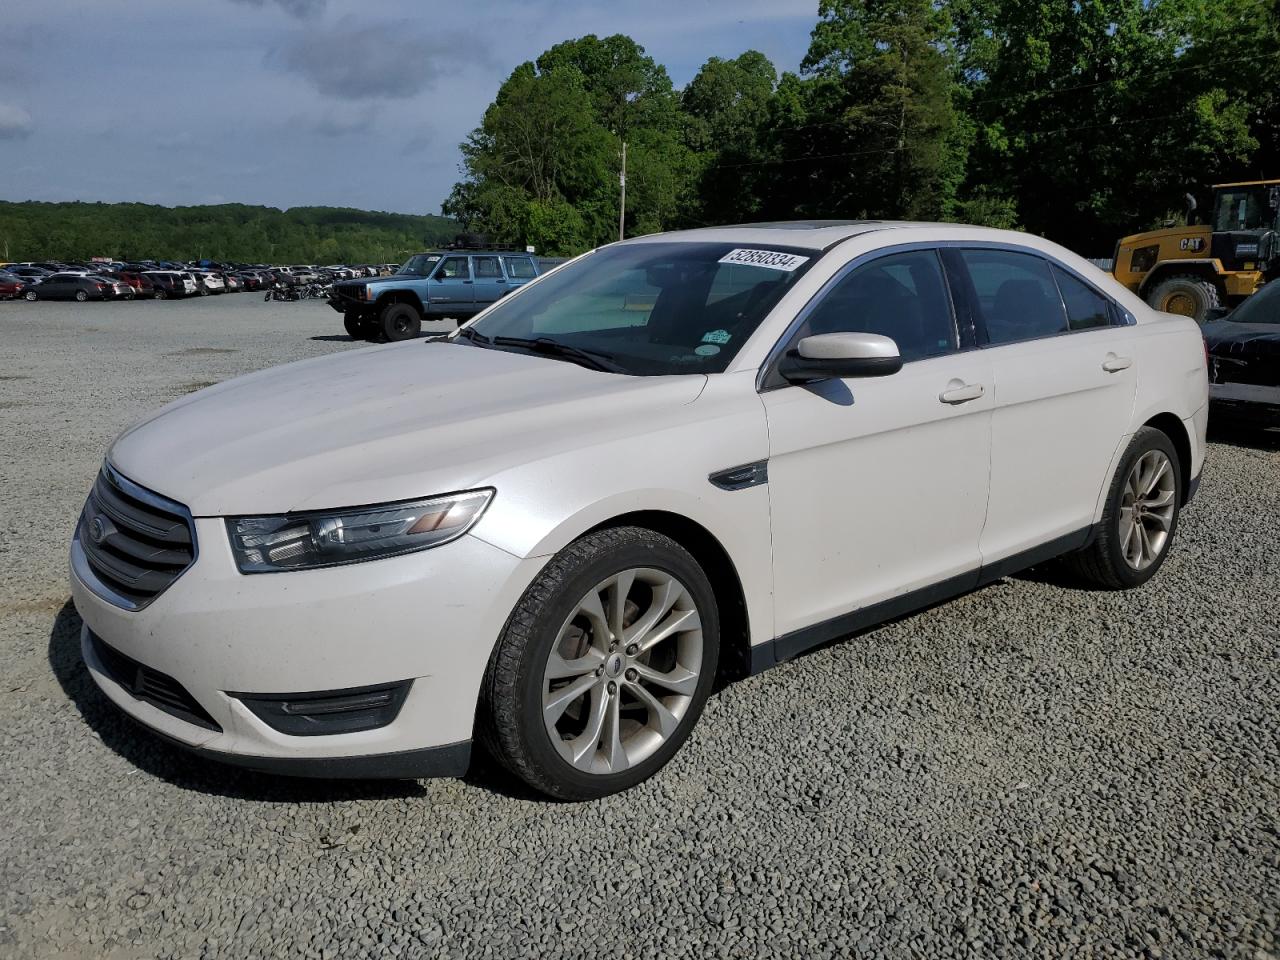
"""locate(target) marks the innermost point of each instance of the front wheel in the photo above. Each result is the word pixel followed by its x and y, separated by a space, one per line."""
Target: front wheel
pixel 161 293
pixel 399 321
pixel 604 666
pixel 1140 516
pixel 31 296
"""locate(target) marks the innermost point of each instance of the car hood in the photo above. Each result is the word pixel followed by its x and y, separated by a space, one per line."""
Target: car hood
pixel 385 423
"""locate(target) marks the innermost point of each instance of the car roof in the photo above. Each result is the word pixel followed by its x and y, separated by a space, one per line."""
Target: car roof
pixel 472 253
pixel 802 234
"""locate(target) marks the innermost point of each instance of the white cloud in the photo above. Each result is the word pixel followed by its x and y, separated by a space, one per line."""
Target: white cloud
pixel 15 123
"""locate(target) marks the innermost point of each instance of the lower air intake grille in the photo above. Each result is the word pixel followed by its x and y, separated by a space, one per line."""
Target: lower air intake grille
pixel 151 686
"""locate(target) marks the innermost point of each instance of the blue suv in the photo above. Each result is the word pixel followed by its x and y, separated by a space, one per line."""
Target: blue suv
pixel 448 283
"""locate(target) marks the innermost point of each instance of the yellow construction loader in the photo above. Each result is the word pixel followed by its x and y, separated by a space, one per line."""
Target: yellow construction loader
pixel 1199 269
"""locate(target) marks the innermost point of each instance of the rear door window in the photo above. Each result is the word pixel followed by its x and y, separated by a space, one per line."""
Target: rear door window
pixel 1086 308
pixel 1017 296
pixel 487 268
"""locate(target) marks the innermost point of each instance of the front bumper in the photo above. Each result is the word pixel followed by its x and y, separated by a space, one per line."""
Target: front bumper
pixel 429 618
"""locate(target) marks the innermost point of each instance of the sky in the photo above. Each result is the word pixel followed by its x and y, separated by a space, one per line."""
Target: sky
pixel 358 103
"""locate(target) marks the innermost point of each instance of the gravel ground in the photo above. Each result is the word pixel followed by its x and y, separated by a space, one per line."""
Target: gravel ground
pixel 1034 769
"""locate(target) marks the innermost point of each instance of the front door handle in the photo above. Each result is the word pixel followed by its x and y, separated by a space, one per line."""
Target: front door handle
pixel 1114 364
pixel 962 393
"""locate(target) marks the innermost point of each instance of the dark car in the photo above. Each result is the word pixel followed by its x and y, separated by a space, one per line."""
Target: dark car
pixel 1244 358
pixel 70 286
pixel 170 284
pixel 10 285
pixel 28 273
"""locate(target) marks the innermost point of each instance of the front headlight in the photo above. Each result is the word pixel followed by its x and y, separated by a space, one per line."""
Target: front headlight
pixel 304 541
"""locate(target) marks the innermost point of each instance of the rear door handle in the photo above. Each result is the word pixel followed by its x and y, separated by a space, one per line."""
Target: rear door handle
pixel 1114 364
pixel 962 393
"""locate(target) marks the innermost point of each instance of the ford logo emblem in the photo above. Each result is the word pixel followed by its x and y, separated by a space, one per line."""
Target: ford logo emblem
pixel 97 530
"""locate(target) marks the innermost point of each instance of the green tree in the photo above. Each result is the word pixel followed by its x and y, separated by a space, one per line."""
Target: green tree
pixel 543 165
pixel 1098 115
pixel 727 106
pixel 871 129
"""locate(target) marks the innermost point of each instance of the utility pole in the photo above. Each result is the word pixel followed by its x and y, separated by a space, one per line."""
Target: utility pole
pixel 622 205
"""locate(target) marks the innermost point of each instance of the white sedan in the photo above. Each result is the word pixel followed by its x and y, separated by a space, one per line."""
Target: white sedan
pixel 689 452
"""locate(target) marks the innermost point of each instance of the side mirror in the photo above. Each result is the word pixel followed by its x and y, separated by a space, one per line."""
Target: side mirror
pixel 840 355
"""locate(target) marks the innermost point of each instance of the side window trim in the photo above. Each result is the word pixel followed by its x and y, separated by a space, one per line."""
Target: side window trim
pixel 768 379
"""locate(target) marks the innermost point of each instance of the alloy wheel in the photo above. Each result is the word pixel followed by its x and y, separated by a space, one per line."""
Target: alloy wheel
pixel 1146 509
pixel 622 673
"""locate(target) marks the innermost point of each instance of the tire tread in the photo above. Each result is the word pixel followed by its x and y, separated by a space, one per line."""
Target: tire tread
pixel 498 725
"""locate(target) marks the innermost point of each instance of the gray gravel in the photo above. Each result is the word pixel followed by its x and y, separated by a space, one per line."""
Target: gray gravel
pixel 1032 770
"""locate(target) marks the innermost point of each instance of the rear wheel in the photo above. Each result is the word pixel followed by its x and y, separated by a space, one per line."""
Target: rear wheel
pixel 1187 295
pixel 1140 516
pixel 31 295
pixel 81 296
pixel 604 666
pixel 399 321
pixel 161 294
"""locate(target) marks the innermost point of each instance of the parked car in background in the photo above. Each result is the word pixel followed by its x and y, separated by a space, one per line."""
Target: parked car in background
pixel 10 285
pixel 208 282
pixel 429 286
pixel 140 282
pixel 1244 358
pixel 171 284
pixel 847 421
pixel 28 273
pixel 69 286
pixel 116 289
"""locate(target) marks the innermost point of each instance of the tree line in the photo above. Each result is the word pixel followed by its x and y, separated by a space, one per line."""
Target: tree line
pixel 225 232
pixel 1080 120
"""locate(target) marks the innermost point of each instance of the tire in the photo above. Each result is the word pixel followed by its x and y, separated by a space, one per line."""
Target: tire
pixel 511 720
pixel 31 296
pixel 1107 561
pixel 81 296
pixel 1187 295
pixel 355 326
pixel 399 321
pixel 161 293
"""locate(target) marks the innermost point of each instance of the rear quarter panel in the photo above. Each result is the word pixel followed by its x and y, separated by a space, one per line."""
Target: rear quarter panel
pixel 1172 376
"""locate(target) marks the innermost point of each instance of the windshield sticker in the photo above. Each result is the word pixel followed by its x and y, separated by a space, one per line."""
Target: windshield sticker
pixel 716 336
pixel 765 258
pixel 707 350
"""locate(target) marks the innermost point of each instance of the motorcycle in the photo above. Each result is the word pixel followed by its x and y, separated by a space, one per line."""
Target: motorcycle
pixel 281 292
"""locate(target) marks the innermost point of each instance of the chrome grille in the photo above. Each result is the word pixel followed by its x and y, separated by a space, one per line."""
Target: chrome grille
pixel 134 543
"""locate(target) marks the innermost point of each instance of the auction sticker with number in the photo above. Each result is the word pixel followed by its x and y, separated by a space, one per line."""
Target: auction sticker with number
pixel 765 258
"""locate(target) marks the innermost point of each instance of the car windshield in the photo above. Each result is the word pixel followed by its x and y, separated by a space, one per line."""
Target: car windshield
pixel 420 265
pixel 651 308
pixel 1262 307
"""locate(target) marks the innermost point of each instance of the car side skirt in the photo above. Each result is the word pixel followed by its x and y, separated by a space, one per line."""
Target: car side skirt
pixel 783 648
